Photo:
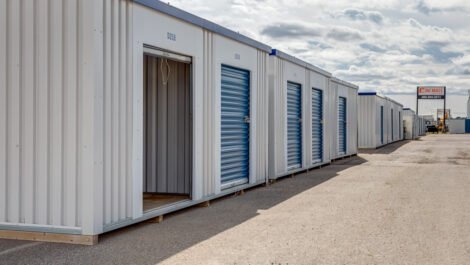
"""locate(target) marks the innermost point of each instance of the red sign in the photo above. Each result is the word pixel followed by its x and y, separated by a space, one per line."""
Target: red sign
pixel 431 92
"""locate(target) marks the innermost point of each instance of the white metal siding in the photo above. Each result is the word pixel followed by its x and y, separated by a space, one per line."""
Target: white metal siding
pixel 367 122
pixel 219 50
pixel 40 106
pixel 281 71
pixel 117 110
pixel 65 77
pixel 209 171
pixel 340 90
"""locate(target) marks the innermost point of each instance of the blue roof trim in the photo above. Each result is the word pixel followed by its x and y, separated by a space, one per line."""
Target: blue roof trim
pixel 203 23
pixel 367 93
pixel 299 62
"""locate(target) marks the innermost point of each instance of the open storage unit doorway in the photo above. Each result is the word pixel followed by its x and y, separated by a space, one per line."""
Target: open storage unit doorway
pixel 167 129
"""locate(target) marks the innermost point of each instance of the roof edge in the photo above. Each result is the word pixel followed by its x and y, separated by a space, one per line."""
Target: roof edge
pixel 292 59
pixel 346 83
pixel 203 23
pixel 380 96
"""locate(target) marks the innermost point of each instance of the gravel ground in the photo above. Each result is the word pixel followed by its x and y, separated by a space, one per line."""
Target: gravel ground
pixel 406 203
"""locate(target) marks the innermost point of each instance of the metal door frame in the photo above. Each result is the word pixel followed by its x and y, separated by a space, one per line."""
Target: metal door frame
pixel 345 134
pixel 287 127
pixel 321 124
pixel 382 124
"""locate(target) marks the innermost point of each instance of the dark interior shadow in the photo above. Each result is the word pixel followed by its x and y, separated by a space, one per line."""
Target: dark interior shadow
pixel 148 243
pixel 385 150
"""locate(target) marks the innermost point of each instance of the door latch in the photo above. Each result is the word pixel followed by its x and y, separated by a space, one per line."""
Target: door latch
pixel 247 119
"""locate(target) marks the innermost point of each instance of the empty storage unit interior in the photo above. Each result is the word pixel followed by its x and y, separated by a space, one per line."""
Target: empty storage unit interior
pixel 114 112
pixel 380 120
pixel 298 132
pixel 343 114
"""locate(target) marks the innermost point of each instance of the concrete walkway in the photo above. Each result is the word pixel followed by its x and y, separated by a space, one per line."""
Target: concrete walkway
pixel 407 203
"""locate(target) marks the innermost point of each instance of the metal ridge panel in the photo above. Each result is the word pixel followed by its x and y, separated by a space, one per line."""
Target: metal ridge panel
pixel 203 23
pixel 339 81
pixel 299 62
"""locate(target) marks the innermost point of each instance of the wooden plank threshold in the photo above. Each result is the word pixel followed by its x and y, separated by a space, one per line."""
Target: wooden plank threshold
pixel 50 237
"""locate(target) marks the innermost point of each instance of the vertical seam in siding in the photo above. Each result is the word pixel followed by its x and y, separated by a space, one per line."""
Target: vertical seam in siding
pixel 20 114
pixel 49 41
pixel 35 89
pixel 64 112
pixel 7 95
pixel 78 179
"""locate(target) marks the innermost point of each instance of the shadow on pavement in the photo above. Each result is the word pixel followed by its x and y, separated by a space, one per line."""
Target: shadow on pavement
pixel 148 243
pixel 387 149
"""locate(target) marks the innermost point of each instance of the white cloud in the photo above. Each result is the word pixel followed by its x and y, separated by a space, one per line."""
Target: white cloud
pixel 391 46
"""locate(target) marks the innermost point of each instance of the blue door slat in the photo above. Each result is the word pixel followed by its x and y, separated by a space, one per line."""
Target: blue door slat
pixel 381 124
pixel 294 126
pixel 235 131
pixel 467 126
pixel 317 125
pixel 342 125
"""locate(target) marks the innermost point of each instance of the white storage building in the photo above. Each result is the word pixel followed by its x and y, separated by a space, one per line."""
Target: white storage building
pixel 457 126
pixel 380 120
pixel 410 124
pixel 114 112
pixel 421 126
pixel 299 124
pixel 343 114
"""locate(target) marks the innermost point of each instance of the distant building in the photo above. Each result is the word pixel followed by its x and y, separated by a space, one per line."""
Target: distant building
pixel 429 120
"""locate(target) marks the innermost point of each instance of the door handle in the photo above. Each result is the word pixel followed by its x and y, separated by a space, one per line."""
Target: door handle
pixel 247 119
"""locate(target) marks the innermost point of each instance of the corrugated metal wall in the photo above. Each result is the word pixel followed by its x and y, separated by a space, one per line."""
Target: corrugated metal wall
pixel 209 171
pixel 56 76
pixel 352 120
pixel 41 108
pixel 211 175
pixel 367 118
pixel 262 118
pixel 277 155
pixel 337 90
pixel 116 114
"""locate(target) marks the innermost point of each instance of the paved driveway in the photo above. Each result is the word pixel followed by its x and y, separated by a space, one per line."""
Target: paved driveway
pixel 407 203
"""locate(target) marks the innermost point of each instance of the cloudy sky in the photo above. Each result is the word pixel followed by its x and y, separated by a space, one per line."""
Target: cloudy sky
pixel 387 46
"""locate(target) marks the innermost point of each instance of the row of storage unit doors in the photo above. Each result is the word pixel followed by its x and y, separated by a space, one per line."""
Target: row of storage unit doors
pixel 312 119
pixel 294 125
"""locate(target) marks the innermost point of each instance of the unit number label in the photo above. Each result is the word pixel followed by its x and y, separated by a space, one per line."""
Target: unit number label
pixel 171 36
pixel 237 56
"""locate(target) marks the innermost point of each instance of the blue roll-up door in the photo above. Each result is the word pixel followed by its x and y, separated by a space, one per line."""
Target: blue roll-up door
pixel 467 126
pixel 317 125
pixel 382 124
pixel 400 131
pixel 342 125
pixel 235 127
pixel 294 126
